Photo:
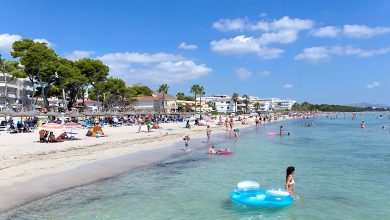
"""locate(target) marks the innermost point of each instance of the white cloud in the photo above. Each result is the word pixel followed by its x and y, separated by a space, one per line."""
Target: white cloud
pixel 314 54
pixel 42 40
pixel 144 58
pixel 240 24
pixel 292 24
pixel 265 73
pixel 242 45
pixel 6 41
pixel 230 24
pixel 243 74
pixel 263 15
pixel 155 68
pixel 79 54
pixel 362 31
pixel 183 45
pixel 283 37
pixel 373 85
pixel 328 31
pixel 283 31
pixel 352 31
pixel 288 86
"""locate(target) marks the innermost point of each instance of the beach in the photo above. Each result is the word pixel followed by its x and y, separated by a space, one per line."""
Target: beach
pixel 25 161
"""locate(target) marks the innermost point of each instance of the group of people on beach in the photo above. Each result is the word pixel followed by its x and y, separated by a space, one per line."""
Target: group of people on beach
pixel 49 137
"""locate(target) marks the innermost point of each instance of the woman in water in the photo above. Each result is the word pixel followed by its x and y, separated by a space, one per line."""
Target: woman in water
pixel 362 125
pixel 289 180
pixel 212 149
pixel 281 131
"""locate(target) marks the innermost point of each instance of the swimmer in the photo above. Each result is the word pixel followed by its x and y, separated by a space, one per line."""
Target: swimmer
pixel 281 130
pixel 236 133
pixel 290 180
pixel 212 149
pixel 362 125
pixel 186 141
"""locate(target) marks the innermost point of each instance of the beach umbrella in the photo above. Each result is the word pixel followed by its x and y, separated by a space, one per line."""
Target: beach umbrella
pixel 52 126
pixel 7 112
pixel 71 125
pixel 128 113
pixel 34 113
pixel 20 114
pixel 53 114
pixel 97 113
pixel 74 114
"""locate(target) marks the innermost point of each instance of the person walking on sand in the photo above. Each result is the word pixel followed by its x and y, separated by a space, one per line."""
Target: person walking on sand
pixel 140 122
pixel 208 133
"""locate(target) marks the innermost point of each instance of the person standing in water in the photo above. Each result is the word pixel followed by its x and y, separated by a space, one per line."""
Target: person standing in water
pixel 362 125
pixel 208 133
pixel 186 144
pixel 257 121
pixel 290 180
pixel 281 131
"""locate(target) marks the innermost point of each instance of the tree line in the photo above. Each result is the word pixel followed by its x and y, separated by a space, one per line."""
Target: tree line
pixel 52 75
pixel 55 76
pixel 306 106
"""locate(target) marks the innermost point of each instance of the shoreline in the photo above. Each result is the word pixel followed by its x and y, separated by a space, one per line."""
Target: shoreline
pixel 141 154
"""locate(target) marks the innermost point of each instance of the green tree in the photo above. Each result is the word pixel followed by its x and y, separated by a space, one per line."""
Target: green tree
pixel 39 64
pixel 257 106
pixel 180 96
pixel 195 90
pixel 94 70
pixel 139 90
pixel 246 102
pixel 70 81
pixel 164 90
pixel 201 93
pixel 235 99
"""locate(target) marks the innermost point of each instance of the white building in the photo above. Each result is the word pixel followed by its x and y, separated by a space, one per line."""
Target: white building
pixel 156 103
pixel 225 105
pixel 275 104
pixel 211 98
pixel 14 92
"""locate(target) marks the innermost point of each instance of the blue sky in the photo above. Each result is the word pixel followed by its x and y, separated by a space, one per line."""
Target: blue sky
pixel 317 51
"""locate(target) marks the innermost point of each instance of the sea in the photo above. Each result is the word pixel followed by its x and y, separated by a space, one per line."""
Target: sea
pixel 341 172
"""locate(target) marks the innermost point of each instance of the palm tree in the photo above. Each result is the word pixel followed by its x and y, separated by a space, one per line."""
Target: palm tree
pixel 201 93
pixel 164 90
pixel 246 101
pixel 235 99
pixel 257 106
pixel 195 90
pixel 180 95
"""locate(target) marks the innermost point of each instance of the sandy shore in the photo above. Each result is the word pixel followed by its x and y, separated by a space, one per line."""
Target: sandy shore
pixel 28 168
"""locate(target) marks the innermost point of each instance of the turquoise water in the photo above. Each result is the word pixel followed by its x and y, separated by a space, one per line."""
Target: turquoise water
pixel 342 172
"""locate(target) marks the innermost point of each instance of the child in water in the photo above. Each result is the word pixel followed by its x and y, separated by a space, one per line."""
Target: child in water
pixel 186 141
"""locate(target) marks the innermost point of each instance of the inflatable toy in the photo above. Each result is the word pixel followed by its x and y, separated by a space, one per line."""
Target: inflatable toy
pixel 249 193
